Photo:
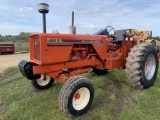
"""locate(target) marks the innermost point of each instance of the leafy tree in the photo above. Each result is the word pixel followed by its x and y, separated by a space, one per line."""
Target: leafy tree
pixel 0 37
pixel 156 38
pixel 22 37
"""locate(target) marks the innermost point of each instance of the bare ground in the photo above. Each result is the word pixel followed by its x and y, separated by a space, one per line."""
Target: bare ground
pixel 11 60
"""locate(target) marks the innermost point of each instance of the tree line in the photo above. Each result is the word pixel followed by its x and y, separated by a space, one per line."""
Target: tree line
pixel 22 37
pixel 156 38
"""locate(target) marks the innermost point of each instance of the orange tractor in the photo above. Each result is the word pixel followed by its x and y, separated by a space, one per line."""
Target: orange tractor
pixel 62 57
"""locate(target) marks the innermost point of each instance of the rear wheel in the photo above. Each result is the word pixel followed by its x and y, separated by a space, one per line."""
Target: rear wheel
pixel 154 43
pixel 142 65
pixel 158 49
pixel 76 96
pixel 44 82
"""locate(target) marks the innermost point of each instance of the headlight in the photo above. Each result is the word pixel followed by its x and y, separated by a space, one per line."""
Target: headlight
pixel 131 38
pixel 126 39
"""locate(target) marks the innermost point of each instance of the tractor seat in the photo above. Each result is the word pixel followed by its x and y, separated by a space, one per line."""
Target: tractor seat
pixel 119 36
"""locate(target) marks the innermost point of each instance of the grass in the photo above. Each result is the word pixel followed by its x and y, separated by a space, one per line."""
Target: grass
pixel 114 99
pixel 20 47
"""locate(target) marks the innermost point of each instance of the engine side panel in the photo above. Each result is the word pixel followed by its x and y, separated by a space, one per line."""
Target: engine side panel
pixel 61 48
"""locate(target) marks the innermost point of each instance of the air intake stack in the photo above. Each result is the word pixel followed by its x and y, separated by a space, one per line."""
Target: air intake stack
pixel 44 9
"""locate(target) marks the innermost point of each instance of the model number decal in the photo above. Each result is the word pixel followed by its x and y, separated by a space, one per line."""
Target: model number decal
pixel 56 40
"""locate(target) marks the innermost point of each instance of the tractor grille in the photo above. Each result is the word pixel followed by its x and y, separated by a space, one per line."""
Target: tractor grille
pixel 37 48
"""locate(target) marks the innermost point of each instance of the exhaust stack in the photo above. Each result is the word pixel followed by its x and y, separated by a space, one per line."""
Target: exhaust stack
pixel 72 28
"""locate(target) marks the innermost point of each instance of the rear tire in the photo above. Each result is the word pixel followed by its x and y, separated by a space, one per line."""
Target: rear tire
pixel 154 43
pixel 42 83
pixel 142 66
pixel 158 49
pixel 76 96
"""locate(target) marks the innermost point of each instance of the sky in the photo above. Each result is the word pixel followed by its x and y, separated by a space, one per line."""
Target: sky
pixel 90 15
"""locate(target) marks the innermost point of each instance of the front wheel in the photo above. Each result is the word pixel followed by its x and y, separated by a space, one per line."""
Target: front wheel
pixel 44 82
pixel 76 96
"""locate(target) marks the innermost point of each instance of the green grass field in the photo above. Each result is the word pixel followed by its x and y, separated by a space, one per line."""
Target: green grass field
pixel 20 47
pixel 114 99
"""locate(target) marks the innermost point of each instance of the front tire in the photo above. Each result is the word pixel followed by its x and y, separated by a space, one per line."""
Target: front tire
pixel 142 66
pixel 76 96
pixel 44 82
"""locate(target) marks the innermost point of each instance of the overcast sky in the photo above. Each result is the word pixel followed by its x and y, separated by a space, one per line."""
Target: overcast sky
pixel 90 15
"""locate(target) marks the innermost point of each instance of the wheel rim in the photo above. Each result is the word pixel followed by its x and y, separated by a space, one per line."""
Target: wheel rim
pixel 43 80
pixel 150 67
pixel 81 98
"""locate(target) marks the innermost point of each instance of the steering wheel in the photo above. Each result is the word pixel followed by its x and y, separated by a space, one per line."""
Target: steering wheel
pixel 111 28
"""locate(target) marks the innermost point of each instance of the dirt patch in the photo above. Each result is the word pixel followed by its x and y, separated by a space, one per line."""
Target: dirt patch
pixel 115 95
pixel 11 60
pixel 121 96
pixel 5 76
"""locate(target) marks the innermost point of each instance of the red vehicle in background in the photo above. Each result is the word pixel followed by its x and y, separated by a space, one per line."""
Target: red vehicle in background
pixel 6 48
